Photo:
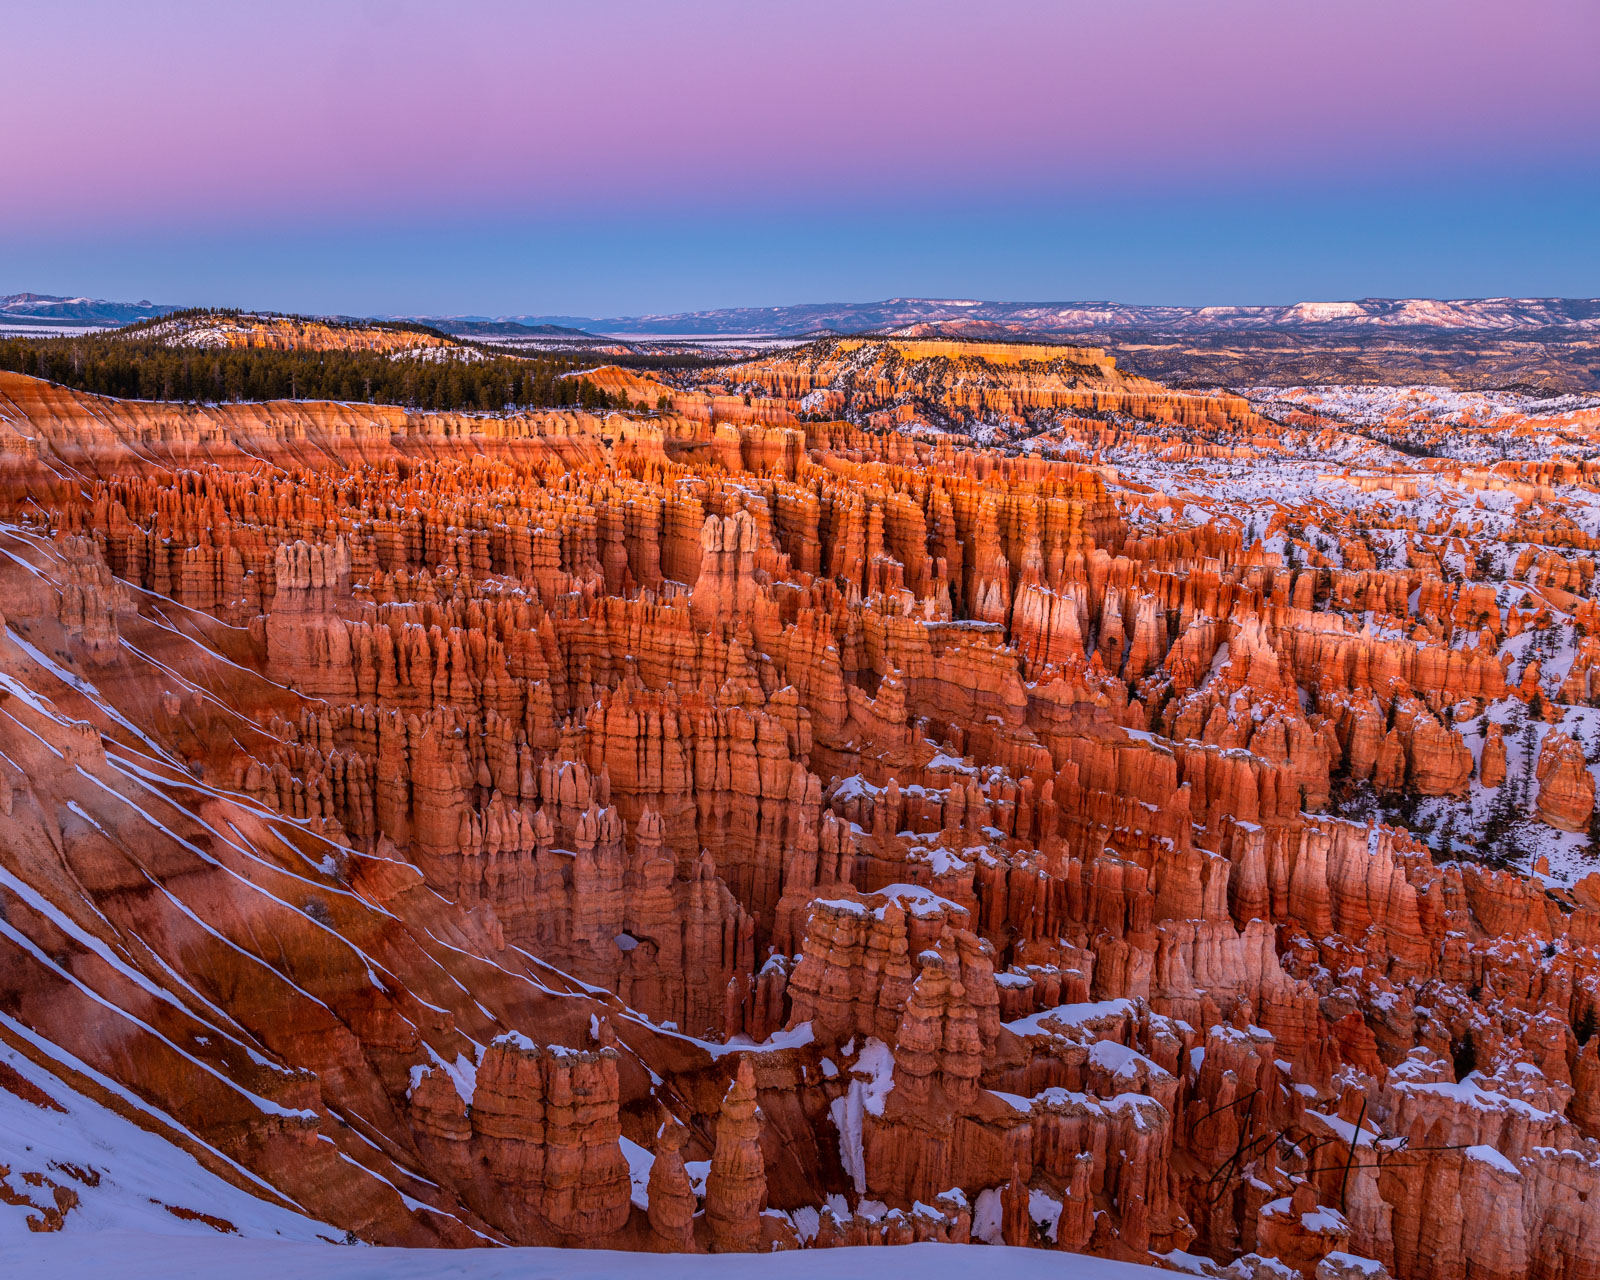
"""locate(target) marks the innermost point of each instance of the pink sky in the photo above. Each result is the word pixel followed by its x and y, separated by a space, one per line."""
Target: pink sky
pixel 158 110
pixel 252 124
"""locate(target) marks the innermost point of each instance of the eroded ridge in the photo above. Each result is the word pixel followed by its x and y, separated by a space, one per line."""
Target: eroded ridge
pixel 734 827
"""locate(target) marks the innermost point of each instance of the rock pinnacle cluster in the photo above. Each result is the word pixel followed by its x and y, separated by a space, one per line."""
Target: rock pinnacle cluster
pixel 883 791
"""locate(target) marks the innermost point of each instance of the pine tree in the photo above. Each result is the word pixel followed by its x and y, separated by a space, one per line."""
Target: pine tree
pixel 1529 745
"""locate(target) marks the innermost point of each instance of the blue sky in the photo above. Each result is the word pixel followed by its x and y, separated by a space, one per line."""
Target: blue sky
pixel 620 157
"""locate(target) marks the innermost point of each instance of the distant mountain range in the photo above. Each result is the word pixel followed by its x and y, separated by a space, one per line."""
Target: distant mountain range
pixel 1569 318
pixel 46 309
pixel 491 329
pixel 1499 316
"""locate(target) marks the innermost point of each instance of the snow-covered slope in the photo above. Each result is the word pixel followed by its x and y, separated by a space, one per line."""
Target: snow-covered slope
pixel 59 1146
pixel 136 1257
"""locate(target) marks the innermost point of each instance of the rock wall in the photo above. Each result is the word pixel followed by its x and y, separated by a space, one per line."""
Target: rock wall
pixel 721 831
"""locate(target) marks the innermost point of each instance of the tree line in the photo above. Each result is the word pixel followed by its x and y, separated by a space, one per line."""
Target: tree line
pixel 133 367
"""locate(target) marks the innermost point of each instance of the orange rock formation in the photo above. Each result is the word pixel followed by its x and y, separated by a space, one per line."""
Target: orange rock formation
pixel 426 820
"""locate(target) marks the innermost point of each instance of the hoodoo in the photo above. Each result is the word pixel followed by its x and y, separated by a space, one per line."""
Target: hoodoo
pixel 739 826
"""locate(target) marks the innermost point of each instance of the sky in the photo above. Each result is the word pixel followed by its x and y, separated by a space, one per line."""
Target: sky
pixel 618 157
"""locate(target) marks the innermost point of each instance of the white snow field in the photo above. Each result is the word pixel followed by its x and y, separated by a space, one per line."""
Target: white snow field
pixel 118 1256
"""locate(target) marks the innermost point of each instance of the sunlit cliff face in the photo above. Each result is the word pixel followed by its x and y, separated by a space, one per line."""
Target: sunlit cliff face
pixel 890 791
